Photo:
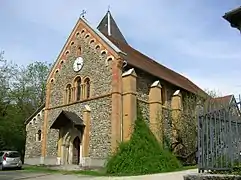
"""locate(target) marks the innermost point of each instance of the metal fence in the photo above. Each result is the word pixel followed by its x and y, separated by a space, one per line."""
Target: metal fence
pixel 219 138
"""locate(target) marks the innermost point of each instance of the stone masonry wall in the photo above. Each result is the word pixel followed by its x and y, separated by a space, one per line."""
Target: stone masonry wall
pixel 33 146
pixel 100 126
pixel 94 67
pixel 100 75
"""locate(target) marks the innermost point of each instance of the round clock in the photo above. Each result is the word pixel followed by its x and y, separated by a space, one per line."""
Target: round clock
pixel 78 64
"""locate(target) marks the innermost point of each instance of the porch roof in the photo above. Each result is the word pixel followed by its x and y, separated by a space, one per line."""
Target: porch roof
pixel 66 117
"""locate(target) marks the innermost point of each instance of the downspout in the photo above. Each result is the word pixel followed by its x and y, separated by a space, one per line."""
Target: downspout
pixel 124 65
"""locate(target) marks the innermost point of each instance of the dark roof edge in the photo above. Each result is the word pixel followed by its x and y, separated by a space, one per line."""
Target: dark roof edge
pixel 34 114
pixel 232 12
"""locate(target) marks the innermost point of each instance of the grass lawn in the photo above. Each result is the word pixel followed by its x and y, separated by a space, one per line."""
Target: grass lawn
pixel 82 172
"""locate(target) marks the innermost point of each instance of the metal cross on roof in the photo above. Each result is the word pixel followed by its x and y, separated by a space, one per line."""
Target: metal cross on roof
pixel 83 13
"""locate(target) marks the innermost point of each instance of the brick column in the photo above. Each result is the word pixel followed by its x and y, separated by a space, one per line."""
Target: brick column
pixel 86 136
pixel 45 124
pixel 129 102
pixel 116 98
pixel 155 108
pixel 176 105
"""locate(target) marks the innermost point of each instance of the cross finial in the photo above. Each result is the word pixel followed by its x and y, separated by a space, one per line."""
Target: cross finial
pixel 83 13
pixel 109 8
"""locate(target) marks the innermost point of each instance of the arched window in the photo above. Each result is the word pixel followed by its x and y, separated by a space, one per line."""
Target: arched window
pixel 78 88
pixel 39 135
pixel 68 93
pixel 87 87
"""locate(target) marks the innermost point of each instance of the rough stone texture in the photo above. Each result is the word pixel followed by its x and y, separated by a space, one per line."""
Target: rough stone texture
pixel 145 110
pixel 33 147
pixel 167 124
pixel 100 126
pixel 211 177
pixel 143 84
pixel 94 67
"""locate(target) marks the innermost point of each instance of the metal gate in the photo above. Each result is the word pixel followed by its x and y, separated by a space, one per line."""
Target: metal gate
pixel 219 138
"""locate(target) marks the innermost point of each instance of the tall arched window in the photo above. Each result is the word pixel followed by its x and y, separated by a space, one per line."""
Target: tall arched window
pixel 78 88
pixel 68 93
pixel 87 87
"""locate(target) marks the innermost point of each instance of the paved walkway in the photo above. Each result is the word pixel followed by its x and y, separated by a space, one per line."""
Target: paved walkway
pixel 20 175
pixel 163 176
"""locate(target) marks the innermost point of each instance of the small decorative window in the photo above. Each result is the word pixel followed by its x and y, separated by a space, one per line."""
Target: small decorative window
pixel 87 87
pixel 78 88
pixel 68 93
pixel 39 135
pixel 78 53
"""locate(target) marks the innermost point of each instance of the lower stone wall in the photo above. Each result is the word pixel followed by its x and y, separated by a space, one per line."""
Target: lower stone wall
pixel 211 177
pixel 33 145
pixel 37 161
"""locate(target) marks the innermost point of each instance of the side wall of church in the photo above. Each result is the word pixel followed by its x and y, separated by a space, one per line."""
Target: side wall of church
pixel 144 82
pixel 34 138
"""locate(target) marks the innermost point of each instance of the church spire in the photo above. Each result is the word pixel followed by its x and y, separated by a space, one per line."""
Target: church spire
pixel 109 27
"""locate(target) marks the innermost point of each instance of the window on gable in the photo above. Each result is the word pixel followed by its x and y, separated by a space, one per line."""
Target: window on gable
pixel 78 88
pixel 39 135
pixel 78 51
pixel 68 93
pixel 87 87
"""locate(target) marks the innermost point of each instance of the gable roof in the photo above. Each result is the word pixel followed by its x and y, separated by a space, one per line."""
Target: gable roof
pixel 108 24
pixel 65 117
pixel 143 62
pixel 34 113
pixel 95 30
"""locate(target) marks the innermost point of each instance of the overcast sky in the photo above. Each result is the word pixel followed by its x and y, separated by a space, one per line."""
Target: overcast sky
pixel 188 36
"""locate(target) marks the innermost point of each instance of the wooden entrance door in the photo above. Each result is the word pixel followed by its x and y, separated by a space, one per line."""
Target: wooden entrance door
pixel 76 150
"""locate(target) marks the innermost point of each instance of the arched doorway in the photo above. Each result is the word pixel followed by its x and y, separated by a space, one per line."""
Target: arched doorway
pixel 76 150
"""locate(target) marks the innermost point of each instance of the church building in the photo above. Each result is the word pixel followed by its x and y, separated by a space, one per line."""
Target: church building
pixel 92 93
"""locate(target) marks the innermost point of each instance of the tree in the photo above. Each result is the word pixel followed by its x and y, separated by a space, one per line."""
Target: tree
pixel 22 91
pixel 29 86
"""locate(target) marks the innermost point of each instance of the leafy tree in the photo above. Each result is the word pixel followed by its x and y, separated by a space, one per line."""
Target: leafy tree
pixel 22 90
pixel 29 86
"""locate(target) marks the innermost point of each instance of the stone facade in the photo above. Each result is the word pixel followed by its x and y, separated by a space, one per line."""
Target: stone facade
pixel 94 68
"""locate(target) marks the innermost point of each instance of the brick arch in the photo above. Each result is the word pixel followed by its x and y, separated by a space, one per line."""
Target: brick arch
pixel 82 28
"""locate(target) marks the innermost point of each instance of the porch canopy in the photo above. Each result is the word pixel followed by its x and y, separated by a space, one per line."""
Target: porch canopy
pixel 65 118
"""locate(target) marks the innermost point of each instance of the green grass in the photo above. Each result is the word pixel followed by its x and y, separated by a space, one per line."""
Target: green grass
pixel 50 170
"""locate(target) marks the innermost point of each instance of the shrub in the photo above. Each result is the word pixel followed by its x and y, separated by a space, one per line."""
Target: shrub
pixel 142 154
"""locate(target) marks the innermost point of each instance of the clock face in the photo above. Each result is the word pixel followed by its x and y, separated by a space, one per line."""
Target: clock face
pixel 78 64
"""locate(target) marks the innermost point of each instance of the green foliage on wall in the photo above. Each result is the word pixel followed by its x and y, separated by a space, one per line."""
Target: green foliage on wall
pixel 142 154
